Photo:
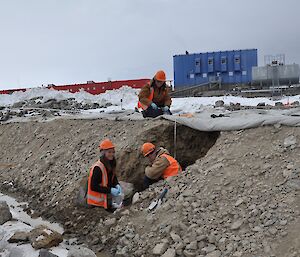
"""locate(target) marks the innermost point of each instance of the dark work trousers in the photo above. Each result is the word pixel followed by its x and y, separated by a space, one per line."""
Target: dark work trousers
pixel 149 181
pixel 153 113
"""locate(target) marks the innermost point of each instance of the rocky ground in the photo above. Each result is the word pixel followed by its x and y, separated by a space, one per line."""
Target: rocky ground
pixel 239 198
pixel 36 107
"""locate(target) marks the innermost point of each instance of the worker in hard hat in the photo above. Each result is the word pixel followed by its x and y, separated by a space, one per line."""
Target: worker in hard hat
pixel 162 165
pixel 103 183
pixel 154 99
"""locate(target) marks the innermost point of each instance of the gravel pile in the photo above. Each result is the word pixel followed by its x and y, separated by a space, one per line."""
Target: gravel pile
pixel 240 199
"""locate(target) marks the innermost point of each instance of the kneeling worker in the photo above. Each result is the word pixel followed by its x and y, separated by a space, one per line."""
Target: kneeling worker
pixel 103 183
pixel 154 97
pixel 162 164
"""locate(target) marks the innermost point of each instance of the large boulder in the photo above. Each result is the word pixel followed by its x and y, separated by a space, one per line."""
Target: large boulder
pixel 43 237
pixel 127 188
pixel 5 214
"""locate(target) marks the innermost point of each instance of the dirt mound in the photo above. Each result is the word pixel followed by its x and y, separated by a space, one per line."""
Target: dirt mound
pixel 240 199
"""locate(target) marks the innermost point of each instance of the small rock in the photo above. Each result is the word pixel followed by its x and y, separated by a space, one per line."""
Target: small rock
pixel 126 212
pixel 208 249
pixel 192 246
pixel 294 184
pixel 19 237
pixel 287 173
pixel 219 103
pixel 278 104
pixel 257 229
pixel 175 237
pixel 80 252
pixel 261 104
pixel 290 141
pixel 237 224
pixel 46 253
pixel 283 222
pixel 110 222
pixel 43 237
pixel 169 253
pixel 135 198
pixel 239 202
pixel 187 253
pixel 160 249
pixel 273 231
pixel 214 254
pixel 5 214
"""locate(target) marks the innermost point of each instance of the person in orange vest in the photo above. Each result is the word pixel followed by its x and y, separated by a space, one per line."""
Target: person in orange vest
pixel 162 164
pixel 154 97
pixel 102 182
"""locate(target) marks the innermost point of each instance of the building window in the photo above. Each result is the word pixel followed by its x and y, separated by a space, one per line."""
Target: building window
pixel 210 61
pixel 197 62
pixel 218 74
pixel 237 60
pixel 230 73
pixel 244 73
pixel 192 75
pixel 223 60
pixel 204 75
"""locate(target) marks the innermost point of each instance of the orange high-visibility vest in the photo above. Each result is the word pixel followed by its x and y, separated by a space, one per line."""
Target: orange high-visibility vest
pixel 96 198
pixel 150 97
pixel 174 169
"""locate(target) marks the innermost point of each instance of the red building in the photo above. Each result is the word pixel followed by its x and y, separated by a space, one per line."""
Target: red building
pixel 92 87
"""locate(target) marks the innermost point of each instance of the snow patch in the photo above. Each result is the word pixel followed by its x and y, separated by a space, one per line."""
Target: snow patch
pixel 126 98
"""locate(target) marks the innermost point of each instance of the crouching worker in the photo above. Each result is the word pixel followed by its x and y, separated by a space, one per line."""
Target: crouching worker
pixel 154 97
pixel 162 164
pixel 103 184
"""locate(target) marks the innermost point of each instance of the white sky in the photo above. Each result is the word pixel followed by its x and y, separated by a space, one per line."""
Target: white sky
pixel 72 41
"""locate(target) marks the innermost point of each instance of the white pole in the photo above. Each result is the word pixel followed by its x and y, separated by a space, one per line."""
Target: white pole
pixel 175 137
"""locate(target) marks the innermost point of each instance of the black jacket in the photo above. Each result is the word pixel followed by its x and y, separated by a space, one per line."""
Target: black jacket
pixel 96 180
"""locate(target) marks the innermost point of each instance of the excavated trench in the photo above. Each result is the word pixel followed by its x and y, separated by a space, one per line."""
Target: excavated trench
pixel 190 146
pixel 52 158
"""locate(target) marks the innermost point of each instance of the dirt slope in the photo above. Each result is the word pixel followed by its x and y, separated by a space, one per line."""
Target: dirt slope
pixel 240 199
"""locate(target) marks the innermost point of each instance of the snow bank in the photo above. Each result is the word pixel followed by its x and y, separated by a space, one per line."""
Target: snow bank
pixel 114 97
pixel 129 99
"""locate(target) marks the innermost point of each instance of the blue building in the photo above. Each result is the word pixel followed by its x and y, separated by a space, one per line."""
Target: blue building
pixel 227 67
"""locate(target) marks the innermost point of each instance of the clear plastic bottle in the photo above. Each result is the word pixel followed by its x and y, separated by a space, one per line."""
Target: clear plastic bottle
pixel 117 201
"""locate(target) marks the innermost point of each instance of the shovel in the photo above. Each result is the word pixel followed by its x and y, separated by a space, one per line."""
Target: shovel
pixel 156 203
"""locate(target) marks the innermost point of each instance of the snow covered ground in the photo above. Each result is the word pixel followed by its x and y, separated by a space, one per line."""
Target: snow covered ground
pixel 23 222
pixel 129 99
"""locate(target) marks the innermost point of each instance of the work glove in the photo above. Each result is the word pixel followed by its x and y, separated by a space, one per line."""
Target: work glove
pixel 166 110
pixel 154 106
pixel 114 191
pixel 119 188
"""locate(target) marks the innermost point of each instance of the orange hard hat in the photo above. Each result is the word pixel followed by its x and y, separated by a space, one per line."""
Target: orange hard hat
pixel 160 75
pixel 106 144
pixel 147 148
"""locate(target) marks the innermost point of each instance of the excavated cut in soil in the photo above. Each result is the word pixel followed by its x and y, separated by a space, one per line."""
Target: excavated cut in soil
pixel 190 146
